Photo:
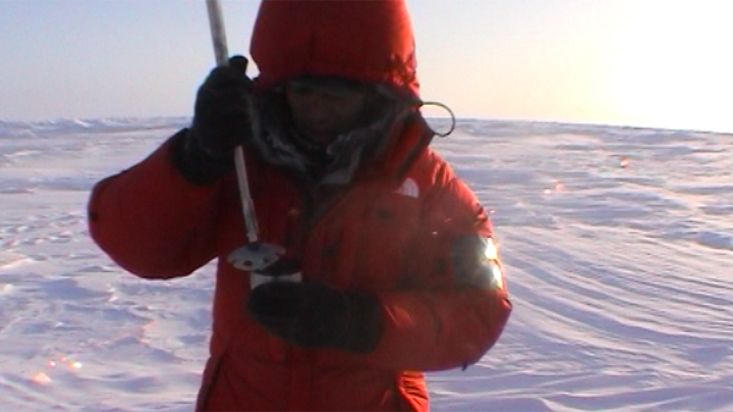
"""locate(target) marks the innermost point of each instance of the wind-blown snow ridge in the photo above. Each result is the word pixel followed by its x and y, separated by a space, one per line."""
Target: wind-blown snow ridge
pixel 65 126
pixel 617 244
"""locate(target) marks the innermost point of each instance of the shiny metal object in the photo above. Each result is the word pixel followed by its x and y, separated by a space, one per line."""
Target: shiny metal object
pixel 255 256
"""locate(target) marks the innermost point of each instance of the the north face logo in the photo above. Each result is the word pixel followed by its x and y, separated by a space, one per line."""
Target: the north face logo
pixel 409 188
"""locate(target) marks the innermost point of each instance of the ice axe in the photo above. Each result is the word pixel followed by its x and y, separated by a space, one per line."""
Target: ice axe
pixel 263 260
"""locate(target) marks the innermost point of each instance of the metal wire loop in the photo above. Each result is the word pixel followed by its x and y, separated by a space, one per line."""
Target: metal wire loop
pixel 450 112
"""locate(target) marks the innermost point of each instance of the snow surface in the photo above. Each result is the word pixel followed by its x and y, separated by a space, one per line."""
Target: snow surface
pixel 618 244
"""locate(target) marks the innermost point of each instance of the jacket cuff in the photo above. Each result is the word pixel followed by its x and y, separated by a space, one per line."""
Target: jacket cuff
pixel 366 323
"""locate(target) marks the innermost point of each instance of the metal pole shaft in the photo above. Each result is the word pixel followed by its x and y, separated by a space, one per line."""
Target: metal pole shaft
pixel 218 36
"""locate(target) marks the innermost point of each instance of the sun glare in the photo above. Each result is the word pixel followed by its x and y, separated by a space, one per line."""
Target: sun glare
pixel 672 67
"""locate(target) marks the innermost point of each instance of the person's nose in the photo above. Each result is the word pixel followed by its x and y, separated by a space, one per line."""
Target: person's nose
pixel 319 108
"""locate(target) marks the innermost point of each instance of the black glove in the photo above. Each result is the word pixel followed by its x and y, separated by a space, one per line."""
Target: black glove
pixel 311 314
pixel 221 122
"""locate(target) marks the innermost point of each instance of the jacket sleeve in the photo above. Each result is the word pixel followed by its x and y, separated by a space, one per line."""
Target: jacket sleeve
pixel 458 303
pixel 152 221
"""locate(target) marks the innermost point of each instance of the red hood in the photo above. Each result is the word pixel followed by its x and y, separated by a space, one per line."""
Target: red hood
pixel 365 40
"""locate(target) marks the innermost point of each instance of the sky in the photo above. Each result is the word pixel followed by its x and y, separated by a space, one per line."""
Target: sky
pixel 651 63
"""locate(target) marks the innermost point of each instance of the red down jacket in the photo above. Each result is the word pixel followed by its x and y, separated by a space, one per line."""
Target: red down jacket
pixel 390 231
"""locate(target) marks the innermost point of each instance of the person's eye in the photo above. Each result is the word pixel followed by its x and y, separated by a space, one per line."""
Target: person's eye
pixel 343 95
pixel 300 89
pixel 337 97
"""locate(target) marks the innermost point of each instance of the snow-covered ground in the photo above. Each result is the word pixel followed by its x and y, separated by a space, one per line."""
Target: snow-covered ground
pixel 618 244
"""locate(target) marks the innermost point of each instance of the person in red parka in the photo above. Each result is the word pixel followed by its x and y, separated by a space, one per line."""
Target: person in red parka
pixel 400 272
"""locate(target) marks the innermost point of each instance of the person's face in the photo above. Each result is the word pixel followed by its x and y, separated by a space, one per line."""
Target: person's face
pixel 323 111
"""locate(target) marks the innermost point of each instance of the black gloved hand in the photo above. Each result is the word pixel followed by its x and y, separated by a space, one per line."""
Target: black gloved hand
pixel 221 122
pixel 312 314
